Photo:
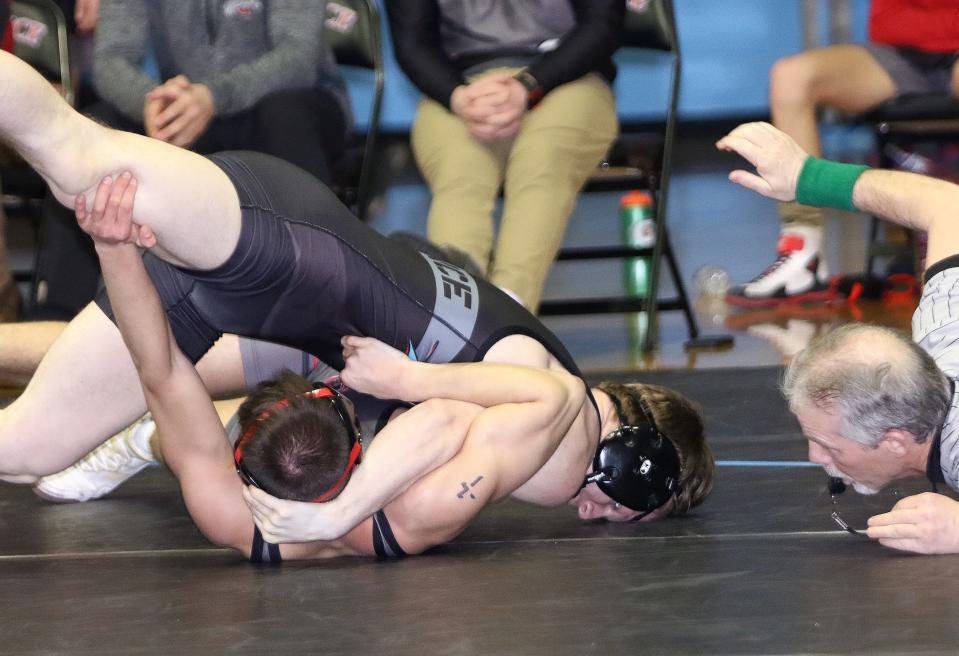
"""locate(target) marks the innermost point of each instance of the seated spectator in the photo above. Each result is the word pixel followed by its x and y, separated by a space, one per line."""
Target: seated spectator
pixel 912 49
pixel 518 98
pixel 250 74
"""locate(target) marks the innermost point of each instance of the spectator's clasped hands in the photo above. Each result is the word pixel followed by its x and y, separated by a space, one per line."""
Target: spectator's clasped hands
pixel 492 106
pixel 178 111
pixel 372 367
pixel 109 217
pixel 777 158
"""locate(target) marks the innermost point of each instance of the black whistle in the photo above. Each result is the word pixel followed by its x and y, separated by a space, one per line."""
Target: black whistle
pixel 836 485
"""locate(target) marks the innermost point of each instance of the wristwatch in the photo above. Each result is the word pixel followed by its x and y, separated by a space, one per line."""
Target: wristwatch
pixel 534 90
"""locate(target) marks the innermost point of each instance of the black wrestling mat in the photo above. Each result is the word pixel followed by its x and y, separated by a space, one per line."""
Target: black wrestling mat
pixel 759 569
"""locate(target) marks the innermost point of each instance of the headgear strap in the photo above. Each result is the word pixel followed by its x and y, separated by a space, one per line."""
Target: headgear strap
pixel 636 465
pixel 322 391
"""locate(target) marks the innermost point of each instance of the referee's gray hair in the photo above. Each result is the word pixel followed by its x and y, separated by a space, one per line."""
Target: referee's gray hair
pixel 873 389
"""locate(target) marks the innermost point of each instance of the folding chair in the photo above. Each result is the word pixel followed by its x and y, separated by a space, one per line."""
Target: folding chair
pixel 40 39
pixel 917 117
pixel 649 25
pixel 352 28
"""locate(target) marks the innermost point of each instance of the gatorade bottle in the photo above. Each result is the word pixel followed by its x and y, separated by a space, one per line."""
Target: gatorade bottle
pixel 639 230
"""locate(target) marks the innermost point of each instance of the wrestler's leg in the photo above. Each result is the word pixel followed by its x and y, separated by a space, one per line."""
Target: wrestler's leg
pixel 125 453
pixel 232 363
pixel 188 202
pixel 22 347
pixel 221 368
pixel 85 389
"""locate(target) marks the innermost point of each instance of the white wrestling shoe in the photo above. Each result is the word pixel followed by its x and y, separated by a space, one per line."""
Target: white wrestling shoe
pixel 103 469
pixel 799 273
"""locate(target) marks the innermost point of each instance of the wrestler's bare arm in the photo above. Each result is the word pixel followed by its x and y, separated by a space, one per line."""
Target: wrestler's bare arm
pixel 527 412
pixel 437 507
pixel 406 449
pixel 911 200
pixel 532 404
pixel 194 447
pixel 440 505
pixel 194 444
pixel 535 407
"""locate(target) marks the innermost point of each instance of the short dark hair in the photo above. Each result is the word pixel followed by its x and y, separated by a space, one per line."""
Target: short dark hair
pixel 298 450
pixel 680 420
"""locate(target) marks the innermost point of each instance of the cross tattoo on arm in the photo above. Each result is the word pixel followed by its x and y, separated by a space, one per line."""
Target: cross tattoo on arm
pixel 467 487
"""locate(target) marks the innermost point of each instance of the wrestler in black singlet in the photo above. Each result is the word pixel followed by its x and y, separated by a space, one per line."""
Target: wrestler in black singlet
pixel 305 273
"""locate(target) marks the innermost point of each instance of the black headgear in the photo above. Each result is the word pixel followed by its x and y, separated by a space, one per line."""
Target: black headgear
pixel 637 466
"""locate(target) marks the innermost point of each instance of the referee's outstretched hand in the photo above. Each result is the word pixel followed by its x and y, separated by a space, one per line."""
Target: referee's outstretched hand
pixel 777 158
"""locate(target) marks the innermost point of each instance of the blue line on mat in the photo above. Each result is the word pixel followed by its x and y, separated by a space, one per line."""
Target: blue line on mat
pixel 765 463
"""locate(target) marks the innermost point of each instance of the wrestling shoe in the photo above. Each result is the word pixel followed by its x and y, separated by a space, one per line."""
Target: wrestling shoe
pixel 103 469
pixel 798 275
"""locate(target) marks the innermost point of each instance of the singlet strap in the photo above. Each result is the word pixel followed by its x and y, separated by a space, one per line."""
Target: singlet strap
pixel 263 551
pixel 384 542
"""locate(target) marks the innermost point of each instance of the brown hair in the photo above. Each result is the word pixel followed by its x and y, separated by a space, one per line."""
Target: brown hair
pixel 297 450
pixel 680 420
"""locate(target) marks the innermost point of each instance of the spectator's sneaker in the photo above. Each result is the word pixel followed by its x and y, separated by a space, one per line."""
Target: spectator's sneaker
pixel 103 469
pixel 798 275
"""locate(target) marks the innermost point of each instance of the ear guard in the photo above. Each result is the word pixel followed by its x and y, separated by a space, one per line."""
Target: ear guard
pixel 636 466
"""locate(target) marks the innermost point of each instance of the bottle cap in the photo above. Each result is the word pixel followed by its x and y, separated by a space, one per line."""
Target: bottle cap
pixel 636 197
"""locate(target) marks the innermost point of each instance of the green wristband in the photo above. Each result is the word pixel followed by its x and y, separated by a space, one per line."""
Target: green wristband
pixel 828 184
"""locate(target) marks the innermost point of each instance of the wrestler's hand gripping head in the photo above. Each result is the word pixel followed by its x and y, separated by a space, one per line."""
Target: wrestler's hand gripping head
pixel 341 406
pixel 636 465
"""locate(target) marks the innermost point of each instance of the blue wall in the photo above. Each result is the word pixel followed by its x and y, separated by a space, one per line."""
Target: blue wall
pixel 728 47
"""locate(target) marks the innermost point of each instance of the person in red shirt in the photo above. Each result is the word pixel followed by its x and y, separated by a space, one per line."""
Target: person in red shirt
pixel 9 297
pixel 6 30
pixel 913 48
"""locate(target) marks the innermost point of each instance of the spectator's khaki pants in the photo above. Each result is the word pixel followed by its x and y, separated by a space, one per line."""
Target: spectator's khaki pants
pixel 540 171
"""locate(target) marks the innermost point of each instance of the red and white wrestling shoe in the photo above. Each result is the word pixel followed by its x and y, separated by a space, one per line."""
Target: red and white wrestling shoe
pixel 799 274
